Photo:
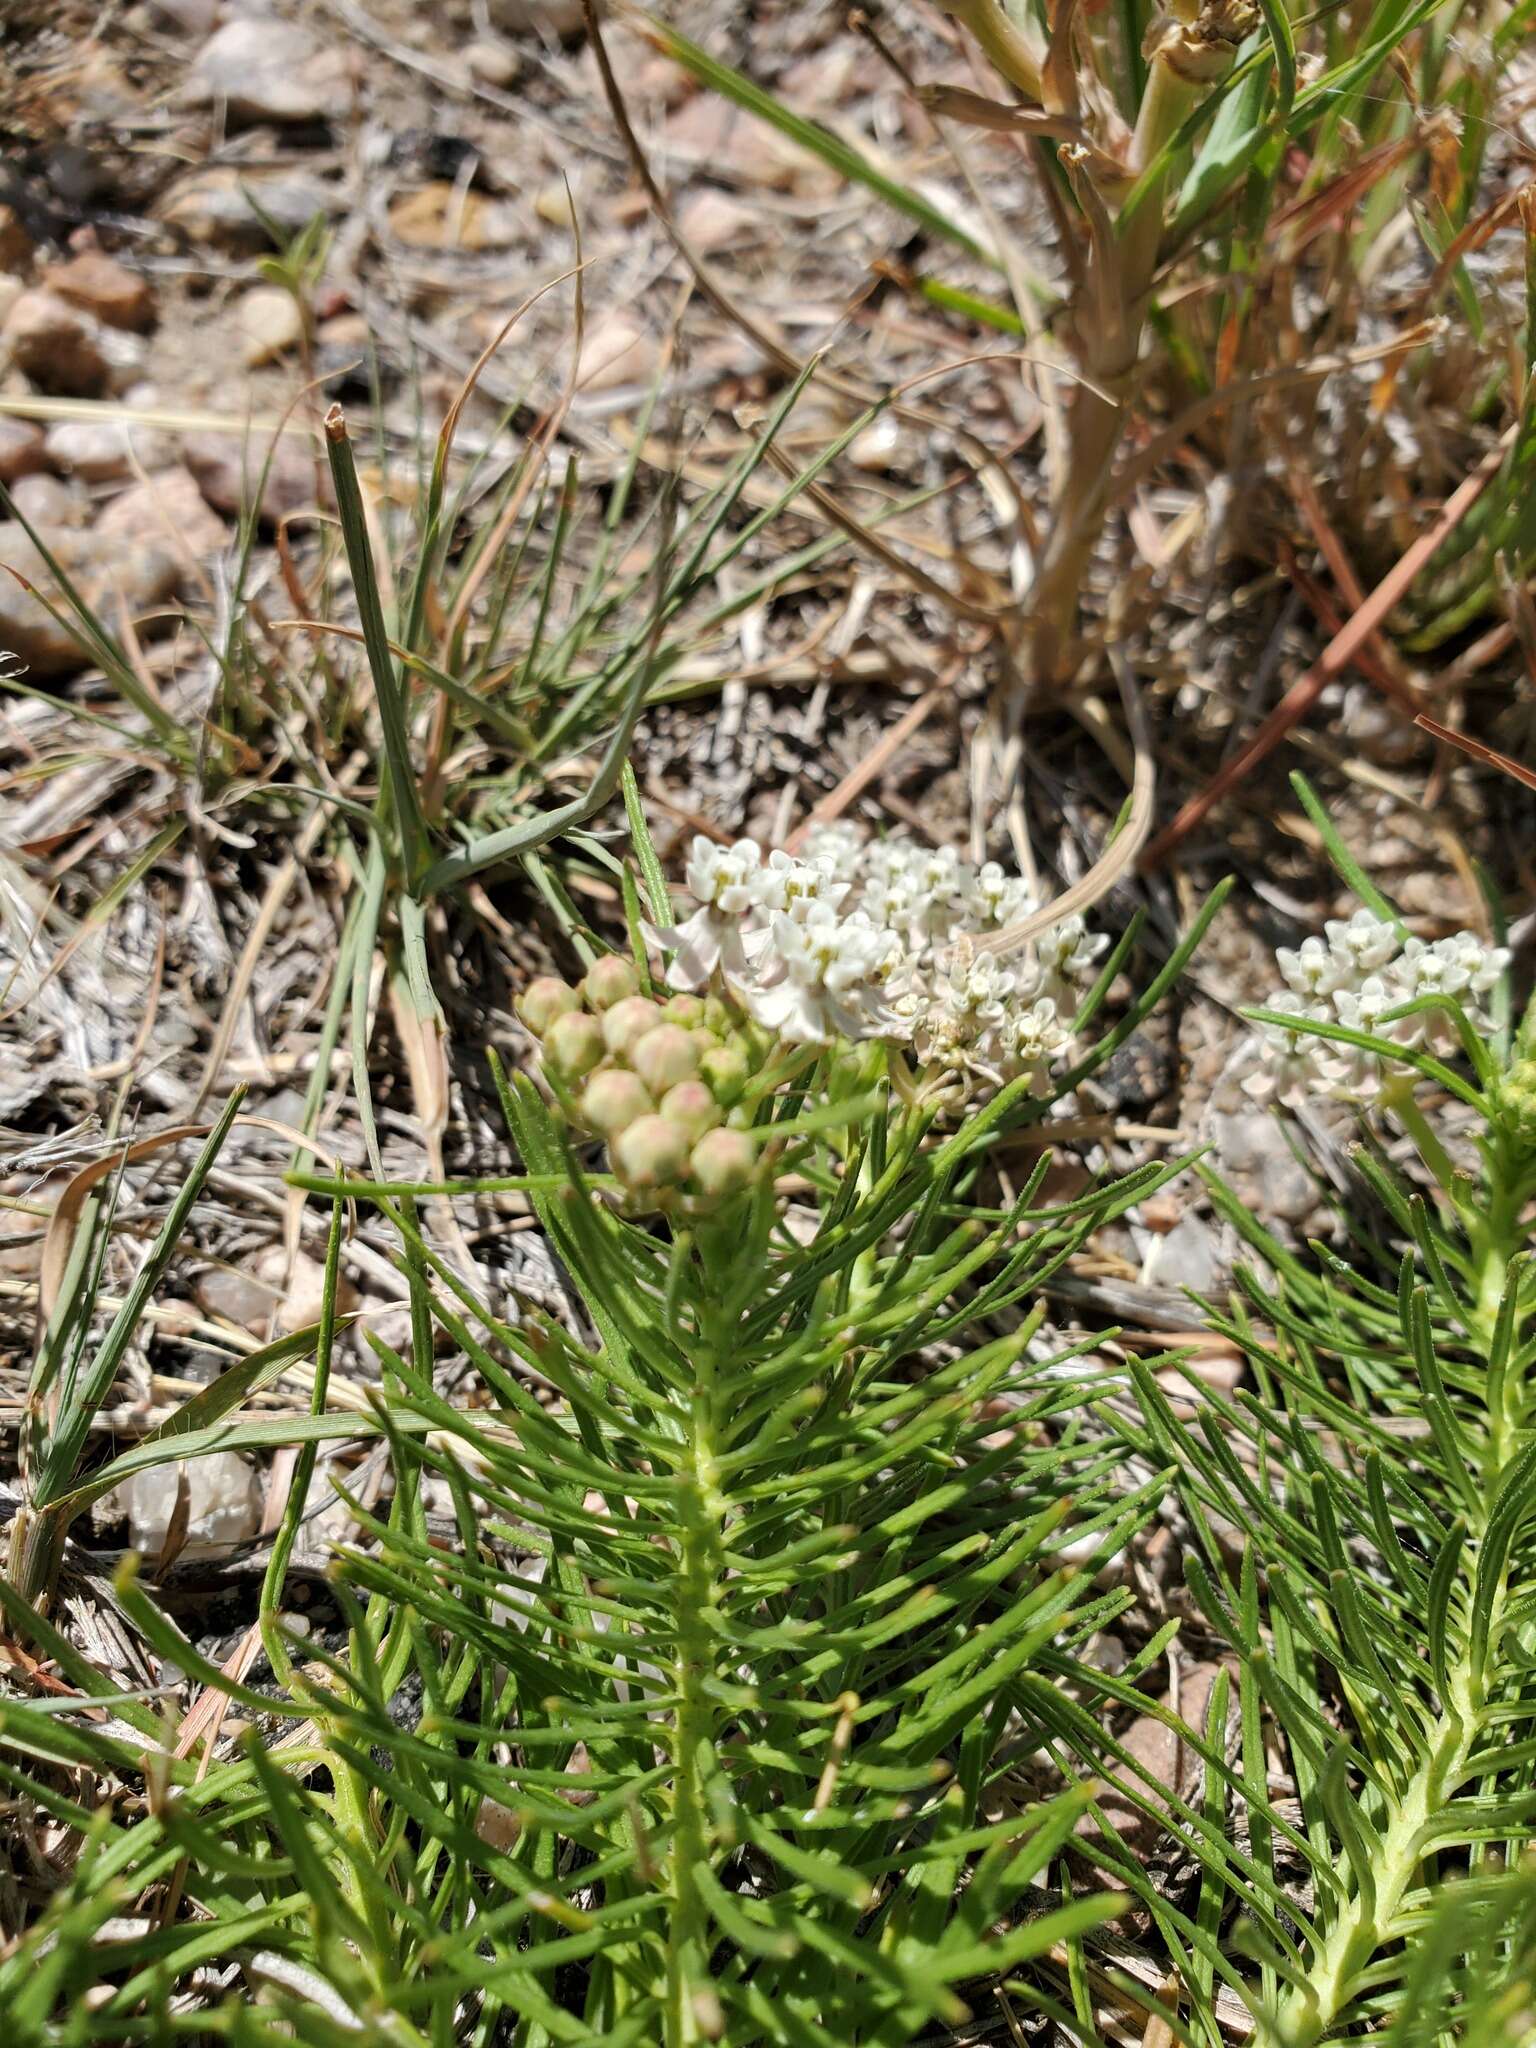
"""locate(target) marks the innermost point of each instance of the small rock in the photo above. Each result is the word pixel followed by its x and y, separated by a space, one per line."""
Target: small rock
pixel 818 81
pixel 1162 1211
pixel 108 574
pixel 270 323
pixel 343 338
pixel 59 346
pixel 223 1505
pixel 327 1522
pixel 445 216
pixel 15 242
pixel 711 135
pixel 554 204
pixel 228 471
pixel 48 501
pixel 236 1297
pixel 253 1298
pixel 616 351
pixel 212 208
pixel 103 451
pixel 269 70
pixel 301 1287
pixel 23 446
pixel 495 64
pixel 876 447
pixel 1379 730
pixel 169 503
pixel 498 1826
pixel 1214 1365
pixel 104 287
pixel 1165 1761
pixel 1252 1151
pixel 1189 1256
pixel 712 220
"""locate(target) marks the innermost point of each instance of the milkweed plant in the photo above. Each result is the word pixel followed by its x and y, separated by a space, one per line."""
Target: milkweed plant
pixel 728 1661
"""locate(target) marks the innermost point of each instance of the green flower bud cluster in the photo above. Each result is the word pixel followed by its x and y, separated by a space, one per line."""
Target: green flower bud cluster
pixel 1517 1099
pixel 659 1081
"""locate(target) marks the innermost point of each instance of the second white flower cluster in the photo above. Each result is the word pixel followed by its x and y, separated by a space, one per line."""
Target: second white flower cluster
pixel 883 939
pixel 1358 973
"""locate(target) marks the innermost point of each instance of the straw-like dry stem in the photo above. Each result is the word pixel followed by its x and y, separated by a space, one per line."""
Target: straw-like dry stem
pixel 1187 57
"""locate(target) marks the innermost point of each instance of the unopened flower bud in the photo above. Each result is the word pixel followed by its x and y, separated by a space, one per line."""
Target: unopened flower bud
pixel 722 1163
pixel 726 1069
pixel 683 1009
pixel 650 1153
pixel 1517 1099
pixel 664 1057
pixel 615 1099
pixel 719 1017
pixel 609 981
pixel 573 1045
pixel 545 999
pixel 691 1105
pixel 627 1023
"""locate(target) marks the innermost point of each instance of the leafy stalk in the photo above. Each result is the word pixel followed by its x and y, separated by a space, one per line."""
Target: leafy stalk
pixel 1393 1523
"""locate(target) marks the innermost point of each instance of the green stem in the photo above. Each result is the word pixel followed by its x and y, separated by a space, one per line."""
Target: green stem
pixel 702 1510
pixel 1399 1099
pixel 1310 2009
pixel 1109 317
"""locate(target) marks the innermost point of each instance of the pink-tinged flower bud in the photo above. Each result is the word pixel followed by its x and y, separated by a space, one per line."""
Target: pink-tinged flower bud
pixel 664 1057
pixel 545 999
pixel 726 1069
pixel 723 1163
pixel 691 1105
pixel 627 1023
pixel 651 1153
pixel 683 1009
pixel 615 1099
pixel 609 981
pixel 573 1045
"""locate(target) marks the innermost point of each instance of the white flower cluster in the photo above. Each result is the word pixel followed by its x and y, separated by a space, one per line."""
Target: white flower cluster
pixel 1357 974
pixel 878 939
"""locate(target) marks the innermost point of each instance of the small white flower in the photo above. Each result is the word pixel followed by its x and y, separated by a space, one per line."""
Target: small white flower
pixel 828 973
pixel 841 844
pixel 789 886
pixel 711 941
pixel 1421 970
pixel 1364 943
pixel 1362 1009
pixel 962 1015
pixel 1297 1066
pixel 1069 952
pixel 890 860
pixel 994 897
pixel 1311 971
pixel 891 901
pixel 722 876
pixel 1485 965
pixel 1033 1038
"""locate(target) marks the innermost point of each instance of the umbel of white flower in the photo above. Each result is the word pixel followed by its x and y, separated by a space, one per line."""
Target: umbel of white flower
pixel 1357 973
pixel 865 939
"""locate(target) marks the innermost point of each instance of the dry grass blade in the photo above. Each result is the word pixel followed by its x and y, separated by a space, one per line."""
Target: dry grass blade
pixel 1121 855
pixel 1336 656
pixel 59 1235
pixel 1489 755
